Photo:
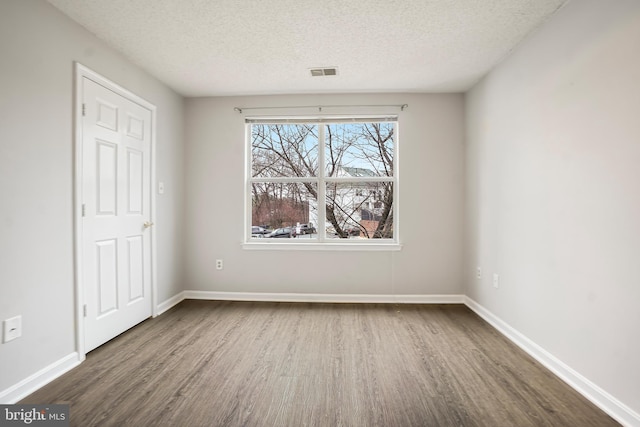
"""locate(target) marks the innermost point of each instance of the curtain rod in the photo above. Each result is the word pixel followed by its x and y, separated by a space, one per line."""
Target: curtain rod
pixel 319 107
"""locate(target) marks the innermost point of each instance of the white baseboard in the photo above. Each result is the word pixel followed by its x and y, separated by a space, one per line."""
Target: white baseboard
pixel 166 305
pixel 324 298
pixel 41 378
pixel 609 404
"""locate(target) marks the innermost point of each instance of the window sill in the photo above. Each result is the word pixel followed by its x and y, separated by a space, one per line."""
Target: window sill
pixel 316 246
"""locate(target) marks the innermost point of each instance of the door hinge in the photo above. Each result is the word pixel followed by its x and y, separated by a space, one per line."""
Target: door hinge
pixel 84 210
pixel 84 109
pixel 84 310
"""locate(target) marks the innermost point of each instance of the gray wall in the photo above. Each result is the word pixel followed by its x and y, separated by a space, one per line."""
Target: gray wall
pixel 431 205
pixel 38 46
pixel 553 200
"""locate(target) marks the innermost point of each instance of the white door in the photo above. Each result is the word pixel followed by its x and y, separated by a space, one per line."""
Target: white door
pixel 116 198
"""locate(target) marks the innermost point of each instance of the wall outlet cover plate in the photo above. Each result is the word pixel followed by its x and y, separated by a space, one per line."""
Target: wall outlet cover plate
pixel 12 329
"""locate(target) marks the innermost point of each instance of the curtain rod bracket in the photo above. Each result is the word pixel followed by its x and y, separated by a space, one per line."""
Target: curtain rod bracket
pixel 238 109
pixel 403 106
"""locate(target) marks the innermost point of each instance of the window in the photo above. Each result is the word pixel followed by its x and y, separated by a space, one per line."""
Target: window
pixel 322 180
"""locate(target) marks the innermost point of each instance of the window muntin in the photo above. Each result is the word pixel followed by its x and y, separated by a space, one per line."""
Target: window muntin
pixel 348 165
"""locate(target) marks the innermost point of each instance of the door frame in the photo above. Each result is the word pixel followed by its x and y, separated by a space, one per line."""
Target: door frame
pixel 82 72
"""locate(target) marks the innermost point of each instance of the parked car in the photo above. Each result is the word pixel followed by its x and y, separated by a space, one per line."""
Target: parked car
pixel 348 230
pixel 352 230
pixel 305 229
pixel 285 232
pixel 257 231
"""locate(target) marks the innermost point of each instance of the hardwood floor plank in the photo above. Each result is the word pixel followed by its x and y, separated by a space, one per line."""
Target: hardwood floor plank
pixel 223 363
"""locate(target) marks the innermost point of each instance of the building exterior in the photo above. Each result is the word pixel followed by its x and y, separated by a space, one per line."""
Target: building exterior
pixel 357 207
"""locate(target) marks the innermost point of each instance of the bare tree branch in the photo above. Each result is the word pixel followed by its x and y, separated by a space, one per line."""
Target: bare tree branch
pixel 352 149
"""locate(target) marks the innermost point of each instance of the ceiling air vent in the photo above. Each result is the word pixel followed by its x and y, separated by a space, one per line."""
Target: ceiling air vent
pixel 329 71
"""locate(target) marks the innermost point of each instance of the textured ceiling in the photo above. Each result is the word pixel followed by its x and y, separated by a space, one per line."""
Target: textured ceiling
pixel 250 47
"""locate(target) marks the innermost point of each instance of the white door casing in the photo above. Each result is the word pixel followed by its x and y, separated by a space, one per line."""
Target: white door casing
pixel 115 250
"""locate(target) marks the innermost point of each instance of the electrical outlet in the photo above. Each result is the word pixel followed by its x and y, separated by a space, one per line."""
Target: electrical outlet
pixel 479 273
pixel 12 329
pixel 496 280
pixel 219 264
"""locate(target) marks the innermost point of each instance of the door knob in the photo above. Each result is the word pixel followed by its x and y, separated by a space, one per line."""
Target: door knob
pixel 147 224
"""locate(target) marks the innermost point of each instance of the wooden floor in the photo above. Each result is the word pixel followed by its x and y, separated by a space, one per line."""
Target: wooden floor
pixel 209 363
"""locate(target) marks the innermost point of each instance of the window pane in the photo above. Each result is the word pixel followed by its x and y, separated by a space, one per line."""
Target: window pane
pixel 284 150
pixel 359 149
pixel 360 210
pixel 275 206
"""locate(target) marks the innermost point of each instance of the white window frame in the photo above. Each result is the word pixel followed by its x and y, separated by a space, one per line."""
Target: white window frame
pixel 321 242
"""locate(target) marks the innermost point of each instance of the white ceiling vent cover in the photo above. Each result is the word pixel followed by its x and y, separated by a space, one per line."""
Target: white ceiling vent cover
pixel 324 71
